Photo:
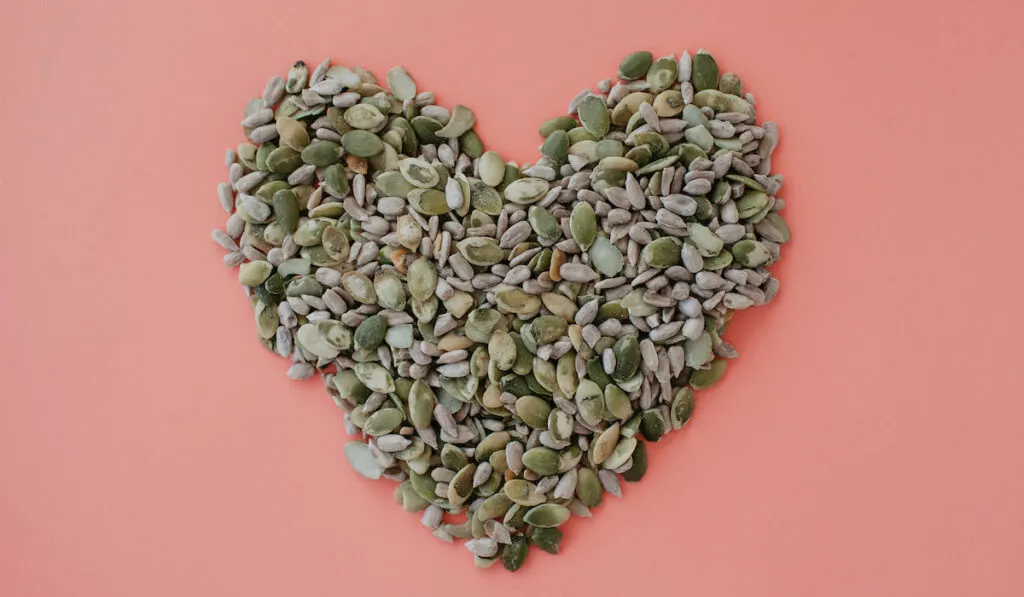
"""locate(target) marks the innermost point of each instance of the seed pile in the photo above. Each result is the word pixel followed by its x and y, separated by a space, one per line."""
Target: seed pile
pixel 504 340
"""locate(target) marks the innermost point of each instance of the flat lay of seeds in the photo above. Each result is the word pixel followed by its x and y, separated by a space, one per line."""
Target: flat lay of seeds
pixel 504 340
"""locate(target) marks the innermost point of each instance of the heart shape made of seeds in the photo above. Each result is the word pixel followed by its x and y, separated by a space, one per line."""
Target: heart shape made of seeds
pixel 504 341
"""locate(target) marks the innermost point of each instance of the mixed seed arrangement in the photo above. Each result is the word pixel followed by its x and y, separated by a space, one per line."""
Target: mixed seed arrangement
pixel 504 339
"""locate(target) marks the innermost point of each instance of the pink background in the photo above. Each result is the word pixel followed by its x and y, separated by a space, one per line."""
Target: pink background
pixel 868 442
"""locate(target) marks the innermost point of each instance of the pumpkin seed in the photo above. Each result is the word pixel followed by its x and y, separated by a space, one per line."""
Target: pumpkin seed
pixel 635 65
pixel 514 554
pixel 541 460
pixel 525 191
pixel 481 251
pixel 547 515
pixel 358 455
pixel 558 123
pixel 492 170
pixel 705 71
pixel 461 121
pixel 588 488
pixel 361 143
pixel 401 84
pixel 583 225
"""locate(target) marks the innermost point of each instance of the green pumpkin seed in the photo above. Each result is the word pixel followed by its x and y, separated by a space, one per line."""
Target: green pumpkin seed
pixel 706 241
pixel 461 121
pixel 543 223
pixel 484 197
pixel 421 404
pixel 547 515
pixel 588 487
pixel 774 228
pixel 639 468
pixel 401 84
pixel 652 426
pixel 514 554
pixel 616 402
pixel 629 106
pixel 254 273
pixel 349 387
pixel 718 262
pixel 482 251
pixel 359 287
pixel 605 444
pixel 546 539
pixel 293 133
pixel 370 333
pixel 321 153
pixel 558 123
pixel 419 173
pixel 559 305
pixel 494 507
pixel 426 129
pixel 492 443
pixel 548 328
pixel 422 279
pixel 429 202
pixel 700 137
pixel 682 408
pixel 283 160
pixel 595 371
pixel 533 411
pixel 658 165
pixel 622 452
pixel 730 144
pixel 336 181
pixel 751 203
pixel 705 71
pixel 721 102
pixel 609 148
pixel 364 116
pixel 525 191
pixel 583 225
pixel 606 257
pixel 662 74
pixel 541 460
pixel 663 252
pixel 358 455
pixel 556 147
pixel 750 253
pixel 389 290
pixel 689 152
pixel 627 358
pixel 362 144
pixel 286 211
pixel 375 377
pixel 730 83
pixel 491 169
pixel 471 144
pixel 698 352
pixel 590 401
pixel 668 103
pixel 516 301
pixel 461 485
pixel 383 421
pixel 635 65
pixel 335 243
pixel 480 324
pixel 502 349
pixel 594 115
